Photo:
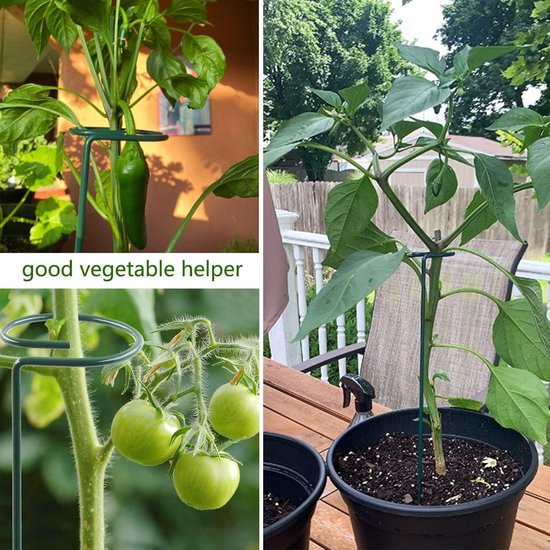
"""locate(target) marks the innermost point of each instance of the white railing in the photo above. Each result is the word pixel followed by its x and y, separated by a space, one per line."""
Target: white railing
pixel 300 246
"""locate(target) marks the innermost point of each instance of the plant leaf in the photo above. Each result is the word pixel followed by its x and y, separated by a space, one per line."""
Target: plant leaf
pixel 55 218
pixel 206 56
pixel 355 96
pixel 479 55
pixel 518 400
pixel 538 165
pixel 187 11
pixel 331 98
pixel 517 339
pixel 38 168
pixel 91 15
pixel 359 275
pixel 240 180
pixel 370 238
pixel 426 58
pixel 4 297
pixel 350 207
pixel 61 26
pixel 496 183
pixel 303 126
pixel 465 403
pixel 44 403
pixel 35 20
pixel 272 155
pixel 482 222
pixel 410 95
pixel 518 119
pixel 440 177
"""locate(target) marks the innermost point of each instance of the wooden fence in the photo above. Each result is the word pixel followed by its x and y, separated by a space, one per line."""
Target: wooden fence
pixel 308 199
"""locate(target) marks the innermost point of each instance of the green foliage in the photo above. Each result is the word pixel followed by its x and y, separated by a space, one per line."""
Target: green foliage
pixel 112 35
pixel 280 177
pixel 311 45
pixel 489 92
pixel 55 217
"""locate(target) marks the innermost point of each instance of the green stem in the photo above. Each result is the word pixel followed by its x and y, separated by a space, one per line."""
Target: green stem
pixel 76 176
pixel 201 405
pixel 10 216
pixel 408 158
pixel 102 69
pixel 472 216
pixel 429 390
pixel 177 235
pixel 337 153
pixel 466 349
pixel 470 291
pixel 405 215
pixel 90 457
pixel 93 72
pixel 135 56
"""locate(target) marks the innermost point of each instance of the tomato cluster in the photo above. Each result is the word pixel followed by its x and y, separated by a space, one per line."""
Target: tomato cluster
pixel 146 434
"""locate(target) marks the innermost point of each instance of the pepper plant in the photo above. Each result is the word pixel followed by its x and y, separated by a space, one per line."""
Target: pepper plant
pixel 364 256
pixel 112 34
pixel 150 429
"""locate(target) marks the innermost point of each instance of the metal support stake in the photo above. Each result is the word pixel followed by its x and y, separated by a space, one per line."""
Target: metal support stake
pixel 59 362
pixel 423 299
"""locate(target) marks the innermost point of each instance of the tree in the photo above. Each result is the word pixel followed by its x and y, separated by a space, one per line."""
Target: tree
pixel 490 91
pixel 331 45
pixel 533 63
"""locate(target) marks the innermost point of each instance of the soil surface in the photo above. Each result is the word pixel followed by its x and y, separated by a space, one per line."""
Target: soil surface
pixel 276 508
pixel 388 471
pixel 16 243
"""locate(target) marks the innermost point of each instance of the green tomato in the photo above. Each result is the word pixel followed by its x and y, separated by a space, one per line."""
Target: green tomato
pixel 142 434
pixel 205 482
pixel 234 411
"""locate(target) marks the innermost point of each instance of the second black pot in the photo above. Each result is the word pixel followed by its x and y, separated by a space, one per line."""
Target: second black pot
pixel 296 471
pixel 486 524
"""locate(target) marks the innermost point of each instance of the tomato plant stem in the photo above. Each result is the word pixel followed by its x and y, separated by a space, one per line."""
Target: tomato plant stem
pixel 90 457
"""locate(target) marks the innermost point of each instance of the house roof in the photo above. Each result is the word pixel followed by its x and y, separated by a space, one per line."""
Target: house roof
pixel 474 144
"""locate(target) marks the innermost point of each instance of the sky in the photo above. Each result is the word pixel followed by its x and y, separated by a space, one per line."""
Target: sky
pixel 420 21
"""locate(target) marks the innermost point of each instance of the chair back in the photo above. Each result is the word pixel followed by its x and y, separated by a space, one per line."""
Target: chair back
pixel 392 354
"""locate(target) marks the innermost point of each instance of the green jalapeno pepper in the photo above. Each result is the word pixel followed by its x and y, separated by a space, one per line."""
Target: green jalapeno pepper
pixel 132 173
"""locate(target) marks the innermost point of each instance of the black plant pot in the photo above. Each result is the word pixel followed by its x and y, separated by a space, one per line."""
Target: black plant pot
pixel 293 470
pixel 12 195
pixel 485 524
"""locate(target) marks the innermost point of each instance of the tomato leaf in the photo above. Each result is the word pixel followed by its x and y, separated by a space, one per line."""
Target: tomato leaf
pixel 44 404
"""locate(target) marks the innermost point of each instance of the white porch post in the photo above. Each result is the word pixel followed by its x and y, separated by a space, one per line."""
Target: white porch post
pixel 282 348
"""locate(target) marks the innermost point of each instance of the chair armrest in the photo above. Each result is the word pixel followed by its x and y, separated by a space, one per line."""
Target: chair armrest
pixel 320 360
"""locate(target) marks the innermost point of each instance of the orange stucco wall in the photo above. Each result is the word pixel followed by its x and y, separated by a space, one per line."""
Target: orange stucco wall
pixel 184 165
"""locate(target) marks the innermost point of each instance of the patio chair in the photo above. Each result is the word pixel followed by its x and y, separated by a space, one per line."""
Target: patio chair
pixel 391 354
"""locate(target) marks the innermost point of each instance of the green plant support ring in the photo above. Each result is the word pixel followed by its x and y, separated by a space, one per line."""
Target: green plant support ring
pixel 60 362
pixel 91 134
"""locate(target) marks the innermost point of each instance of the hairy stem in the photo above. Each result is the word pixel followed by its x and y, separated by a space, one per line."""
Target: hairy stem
pixel 90 457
